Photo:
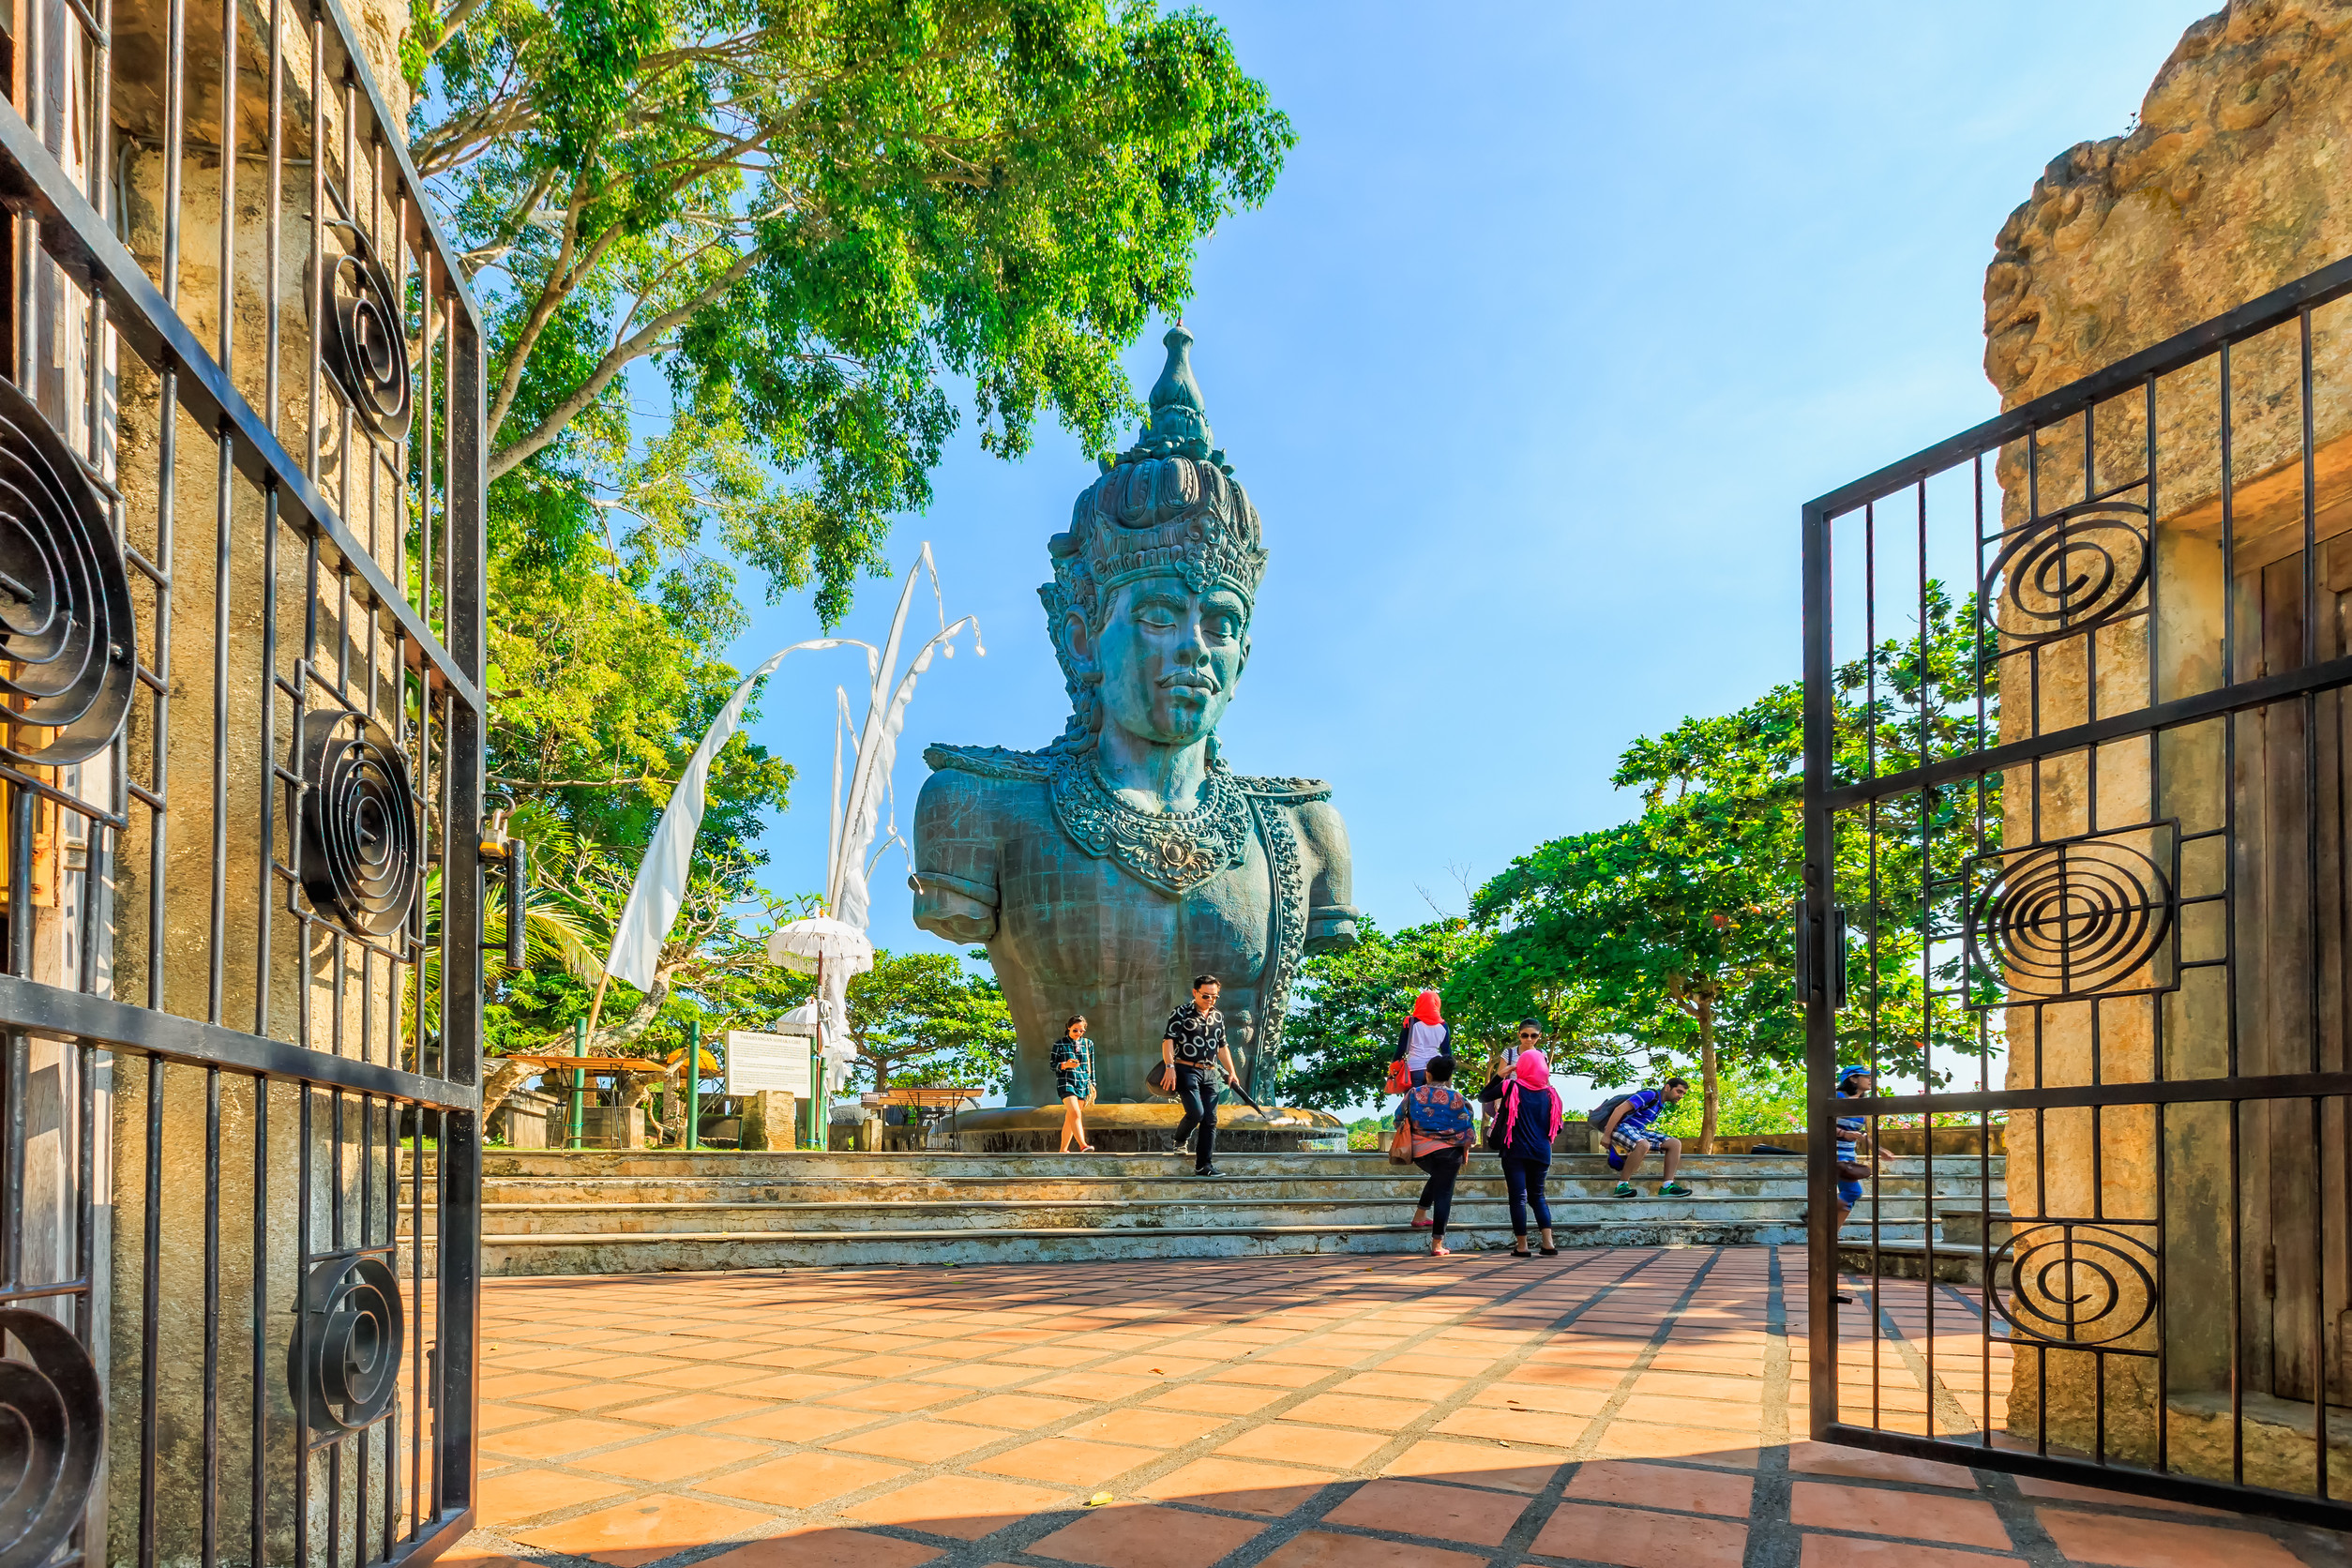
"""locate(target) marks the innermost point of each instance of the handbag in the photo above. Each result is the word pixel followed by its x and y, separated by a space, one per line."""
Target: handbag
pixel 1160 1079
pixel 1400 1146
pixel 1400 1078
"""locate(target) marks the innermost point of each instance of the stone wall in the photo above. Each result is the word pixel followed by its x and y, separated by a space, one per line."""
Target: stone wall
pixel 2231 183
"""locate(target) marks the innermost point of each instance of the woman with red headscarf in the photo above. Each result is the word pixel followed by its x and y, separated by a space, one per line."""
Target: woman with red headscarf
pixel 1425 1036
pixel 1525 1125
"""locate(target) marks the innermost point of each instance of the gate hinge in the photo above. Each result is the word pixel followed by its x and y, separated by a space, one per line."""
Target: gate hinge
pixel 1821 955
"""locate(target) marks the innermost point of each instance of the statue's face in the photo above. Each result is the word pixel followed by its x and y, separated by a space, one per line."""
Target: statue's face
pixel 1170 657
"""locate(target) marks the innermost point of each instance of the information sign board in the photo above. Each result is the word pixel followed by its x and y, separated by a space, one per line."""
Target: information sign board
pixel 756 1061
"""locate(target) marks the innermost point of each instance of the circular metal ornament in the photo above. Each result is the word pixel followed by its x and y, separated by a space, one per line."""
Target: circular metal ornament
pixel 53 1414
pixel 2072 919
pixel 2074 1283
pixel 2065 573
pixel 359 827
pixel 366 346
pixel 347 1358
pixel 65 637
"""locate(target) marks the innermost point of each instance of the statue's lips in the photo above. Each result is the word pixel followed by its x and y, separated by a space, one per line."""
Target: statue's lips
pixel 1204 685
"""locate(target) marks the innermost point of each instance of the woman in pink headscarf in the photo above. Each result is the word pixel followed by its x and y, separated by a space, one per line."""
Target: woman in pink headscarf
pixel 1526 1125
pixel 1425 1036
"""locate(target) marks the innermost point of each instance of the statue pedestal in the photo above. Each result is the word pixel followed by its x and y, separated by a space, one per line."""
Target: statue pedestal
pixel 1145 1129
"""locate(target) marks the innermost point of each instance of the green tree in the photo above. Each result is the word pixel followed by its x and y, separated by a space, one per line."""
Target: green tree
pixel 1670 935
pixel 923 1016
pixel 1343 1025
pixel 810 220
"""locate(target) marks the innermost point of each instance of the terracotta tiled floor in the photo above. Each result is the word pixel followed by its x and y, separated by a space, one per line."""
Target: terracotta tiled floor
pixel 1636 1409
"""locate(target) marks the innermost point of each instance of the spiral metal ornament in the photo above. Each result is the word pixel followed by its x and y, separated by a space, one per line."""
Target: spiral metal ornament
pixel 347 1359
pixel 52 1428
pixel 2074 1283
pixel 359 827
pixel 65 603
pixel 365 344
pixel 2065 573
pixel 2074 919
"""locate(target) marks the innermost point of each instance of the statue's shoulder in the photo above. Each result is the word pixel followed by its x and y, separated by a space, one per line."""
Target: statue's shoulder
pixel 990 761
pixel 1284 791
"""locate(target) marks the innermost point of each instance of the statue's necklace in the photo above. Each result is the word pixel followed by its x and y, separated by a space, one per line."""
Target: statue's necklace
pixel 1175 852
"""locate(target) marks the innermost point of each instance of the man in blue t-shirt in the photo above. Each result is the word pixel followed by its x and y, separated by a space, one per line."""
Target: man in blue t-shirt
pixel 1631 1131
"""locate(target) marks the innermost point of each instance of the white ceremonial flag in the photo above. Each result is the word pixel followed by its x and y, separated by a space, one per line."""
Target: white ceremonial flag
pixel 661 880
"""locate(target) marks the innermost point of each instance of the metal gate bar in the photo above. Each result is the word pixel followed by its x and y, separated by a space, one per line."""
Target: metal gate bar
pixel 2097 811
pixel 257 1280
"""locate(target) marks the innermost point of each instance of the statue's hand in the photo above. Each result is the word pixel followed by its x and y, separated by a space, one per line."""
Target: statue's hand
pixel 947 907
pixel 1331 927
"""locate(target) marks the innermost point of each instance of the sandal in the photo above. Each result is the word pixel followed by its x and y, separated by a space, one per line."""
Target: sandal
pixel 1438 1249
pixel 1420 1224
pixel 1516 1253
pixel 1550 1251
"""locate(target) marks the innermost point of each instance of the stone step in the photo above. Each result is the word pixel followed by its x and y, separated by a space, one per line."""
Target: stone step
pixel 658 1252
pixel 1386 1186
pixel 1166 1213
pixel 811 1166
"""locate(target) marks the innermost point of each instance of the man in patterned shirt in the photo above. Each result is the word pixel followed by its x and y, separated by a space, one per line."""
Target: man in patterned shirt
pixel 1192 1045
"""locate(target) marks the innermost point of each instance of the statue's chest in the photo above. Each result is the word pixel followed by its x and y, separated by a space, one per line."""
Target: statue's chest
pixel 1089 919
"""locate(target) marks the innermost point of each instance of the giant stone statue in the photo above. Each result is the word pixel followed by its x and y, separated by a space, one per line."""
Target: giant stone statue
pixel 1105 870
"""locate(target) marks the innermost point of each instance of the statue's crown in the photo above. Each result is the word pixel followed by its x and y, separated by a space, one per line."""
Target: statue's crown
pixel 1168 504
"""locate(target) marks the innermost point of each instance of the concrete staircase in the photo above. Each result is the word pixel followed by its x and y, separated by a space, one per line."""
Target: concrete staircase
pixel 554 1213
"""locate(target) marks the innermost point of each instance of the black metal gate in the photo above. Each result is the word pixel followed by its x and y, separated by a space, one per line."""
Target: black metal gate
pixel 241 728
pixel 2078 802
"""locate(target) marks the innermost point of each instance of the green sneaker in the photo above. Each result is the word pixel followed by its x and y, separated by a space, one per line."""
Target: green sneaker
pixel 1673 1189
pixel 1625 1189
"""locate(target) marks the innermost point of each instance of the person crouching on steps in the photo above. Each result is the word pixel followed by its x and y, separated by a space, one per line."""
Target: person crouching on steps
pixel 1073 1062
pixel 1437 1125
pixel 1192 1047
pixel 1523 1135
pixel 1631 1131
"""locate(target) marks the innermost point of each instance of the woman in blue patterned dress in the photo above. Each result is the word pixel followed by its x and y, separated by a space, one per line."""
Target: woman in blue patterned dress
pixel 1073 1062
pixel 1436 1122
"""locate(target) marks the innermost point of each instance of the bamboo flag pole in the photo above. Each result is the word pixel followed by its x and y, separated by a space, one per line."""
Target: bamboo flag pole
pixel 596 1007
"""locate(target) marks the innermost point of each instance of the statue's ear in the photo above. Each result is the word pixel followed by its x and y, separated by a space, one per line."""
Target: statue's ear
pixel 1079 637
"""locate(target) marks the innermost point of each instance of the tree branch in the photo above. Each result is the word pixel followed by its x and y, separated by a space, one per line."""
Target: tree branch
pixel 633 348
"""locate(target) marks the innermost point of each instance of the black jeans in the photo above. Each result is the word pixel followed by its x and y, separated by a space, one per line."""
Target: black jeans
pixel 1199 1089
pixel 1523 1180
pixel 1437 1193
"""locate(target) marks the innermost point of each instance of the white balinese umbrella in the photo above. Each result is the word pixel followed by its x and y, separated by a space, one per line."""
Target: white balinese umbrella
pixel 819 942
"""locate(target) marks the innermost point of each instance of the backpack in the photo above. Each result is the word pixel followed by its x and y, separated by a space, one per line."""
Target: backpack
pixel 1601 1113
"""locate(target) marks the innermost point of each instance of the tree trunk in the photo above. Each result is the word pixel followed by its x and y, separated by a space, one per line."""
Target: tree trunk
pixel 634 1088
pixel 1709 1093
pixel 503 1080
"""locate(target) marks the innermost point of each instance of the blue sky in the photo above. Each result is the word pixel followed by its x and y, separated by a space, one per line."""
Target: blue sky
pixel 1557 314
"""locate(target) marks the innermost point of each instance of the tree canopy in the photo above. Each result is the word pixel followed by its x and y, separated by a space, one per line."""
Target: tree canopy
pixel 1343 1026
pixel 1666 940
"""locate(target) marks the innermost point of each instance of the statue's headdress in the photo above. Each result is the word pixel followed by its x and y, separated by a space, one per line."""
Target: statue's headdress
pixel 1169 505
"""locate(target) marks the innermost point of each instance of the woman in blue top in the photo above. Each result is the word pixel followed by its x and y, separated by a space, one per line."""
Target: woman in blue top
pixel 1854 1083
pixel 1072 1063
pixel 1438 1121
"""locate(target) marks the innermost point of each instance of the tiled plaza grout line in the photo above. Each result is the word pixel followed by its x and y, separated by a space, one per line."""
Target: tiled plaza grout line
pixel 1774 1541
pixel 1138 1476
